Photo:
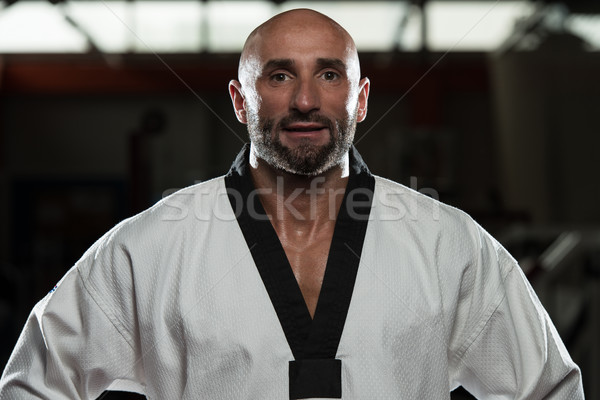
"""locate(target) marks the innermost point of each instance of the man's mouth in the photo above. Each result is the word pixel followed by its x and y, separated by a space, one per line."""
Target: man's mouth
pixel 304 127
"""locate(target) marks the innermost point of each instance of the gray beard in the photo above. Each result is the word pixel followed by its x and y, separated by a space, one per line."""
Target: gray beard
pixel 305 159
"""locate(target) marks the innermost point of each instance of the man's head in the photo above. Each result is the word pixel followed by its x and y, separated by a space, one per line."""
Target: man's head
pixel 300 92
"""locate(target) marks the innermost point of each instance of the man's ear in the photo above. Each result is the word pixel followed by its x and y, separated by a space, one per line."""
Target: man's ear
pixel 363 97
pixel 237 98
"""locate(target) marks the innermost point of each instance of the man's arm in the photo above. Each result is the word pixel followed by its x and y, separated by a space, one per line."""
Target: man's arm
pixel 70 349
pixel 518 353
pixel 513 351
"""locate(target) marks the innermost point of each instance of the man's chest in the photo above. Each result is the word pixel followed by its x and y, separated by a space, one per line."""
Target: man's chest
pixel 226 329
pixel 308 261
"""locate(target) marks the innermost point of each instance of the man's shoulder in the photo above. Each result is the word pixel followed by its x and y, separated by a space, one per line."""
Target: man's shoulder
pixel 173 213
pixel 410 214
pixel 415 204
pixel 180 203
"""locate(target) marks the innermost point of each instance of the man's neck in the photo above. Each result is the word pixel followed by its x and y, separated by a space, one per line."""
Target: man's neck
pixel 297 203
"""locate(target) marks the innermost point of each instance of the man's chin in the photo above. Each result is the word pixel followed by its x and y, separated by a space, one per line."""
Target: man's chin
pixel 305 159
pixel 301 157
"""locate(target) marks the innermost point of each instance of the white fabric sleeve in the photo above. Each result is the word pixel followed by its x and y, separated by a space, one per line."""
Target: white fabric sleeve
pixel 514 350
pixel 70 349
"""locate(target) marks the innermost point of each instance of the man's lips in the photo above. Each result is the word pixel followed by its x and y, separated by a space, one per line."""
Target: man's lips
pixel 301 127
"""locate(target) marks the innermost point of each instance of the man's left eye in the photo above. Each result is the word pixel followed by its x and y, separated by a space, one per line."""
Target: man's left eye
pixel 330 75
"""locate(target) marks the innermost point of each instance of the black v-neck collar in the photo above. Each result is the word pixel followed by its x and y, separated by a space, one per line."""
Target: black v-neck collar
pixel 313 342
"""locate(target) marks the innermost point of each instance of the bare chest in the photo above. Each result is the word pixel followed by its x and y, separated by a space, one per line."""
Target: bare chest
pixel 308 262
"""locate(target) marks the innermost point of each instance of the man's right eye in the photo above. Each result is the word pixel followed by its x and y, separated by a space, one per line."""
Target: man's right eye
pixel 279 77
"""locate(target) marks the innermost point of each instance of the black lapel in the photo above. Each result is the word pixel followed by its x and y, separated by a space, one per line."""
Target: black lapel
pixel 314 343
pixel 268 254
pixel 342 263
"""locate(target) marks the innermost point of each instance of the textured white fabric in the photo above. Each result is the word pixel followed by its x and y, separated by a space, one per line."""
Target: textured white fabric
pixel 170 304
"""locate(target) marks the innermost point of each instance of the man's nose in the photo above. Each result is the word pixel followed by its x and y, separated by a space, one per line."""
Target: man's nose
pixel 306 96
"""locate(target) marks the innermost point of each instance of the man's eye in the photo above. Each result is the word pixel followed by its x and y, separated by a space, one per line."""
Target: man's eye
pixel 330 75
pixel 279 77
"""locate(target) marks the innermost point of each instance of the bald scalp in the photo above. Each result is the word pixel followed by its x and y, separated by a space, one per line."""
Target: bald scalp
pixel 301 19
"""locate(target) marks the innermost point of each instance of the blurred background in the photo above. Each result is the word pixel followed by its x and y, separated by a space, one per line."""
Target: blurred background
pixel 492 106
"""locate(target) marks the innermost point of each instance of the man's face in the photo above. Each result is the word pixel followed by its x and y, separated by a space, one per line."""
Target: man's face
pixel 301 96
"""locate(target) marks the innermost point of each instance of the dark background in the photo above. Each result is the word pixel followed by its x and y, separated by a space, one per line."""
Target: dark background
pixel 511 137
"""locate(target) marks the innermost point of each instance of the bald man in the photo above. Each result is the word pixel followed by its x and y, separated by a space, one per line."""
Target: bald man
pixel 297 275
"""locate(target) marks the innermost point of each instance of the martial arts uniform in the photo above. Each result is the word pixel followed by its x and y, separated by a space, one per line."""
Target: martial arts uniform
pixel 195 299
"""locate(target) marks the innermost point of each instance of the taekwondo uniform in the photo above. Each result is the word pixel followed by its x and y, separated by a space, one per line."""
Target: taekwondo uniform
pixel 194 299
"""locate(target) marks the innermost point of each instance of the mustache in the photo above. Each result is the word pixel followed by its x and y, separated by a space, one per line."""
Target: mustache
pixel 313 117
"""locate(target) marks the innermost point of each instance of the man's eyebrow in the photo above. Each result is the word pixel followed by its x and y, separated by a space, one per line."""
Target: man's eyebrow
pixel 284 63
pixel 278 63
pixel 332 63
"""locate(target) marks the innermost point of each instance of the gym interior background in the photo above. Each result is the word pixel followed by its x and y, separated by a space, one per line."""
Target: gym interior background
pixel 107 106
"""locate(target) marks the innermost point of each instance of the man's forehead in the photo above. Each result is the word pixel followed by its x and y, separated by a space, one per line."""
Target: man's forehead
pixel 299 20
pixel 290 40
pixel 300 36
pixel 302 47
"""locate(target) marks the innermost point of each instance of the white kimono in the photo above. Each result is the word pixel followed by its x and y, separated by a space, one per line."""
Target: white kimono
pixel 194 299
